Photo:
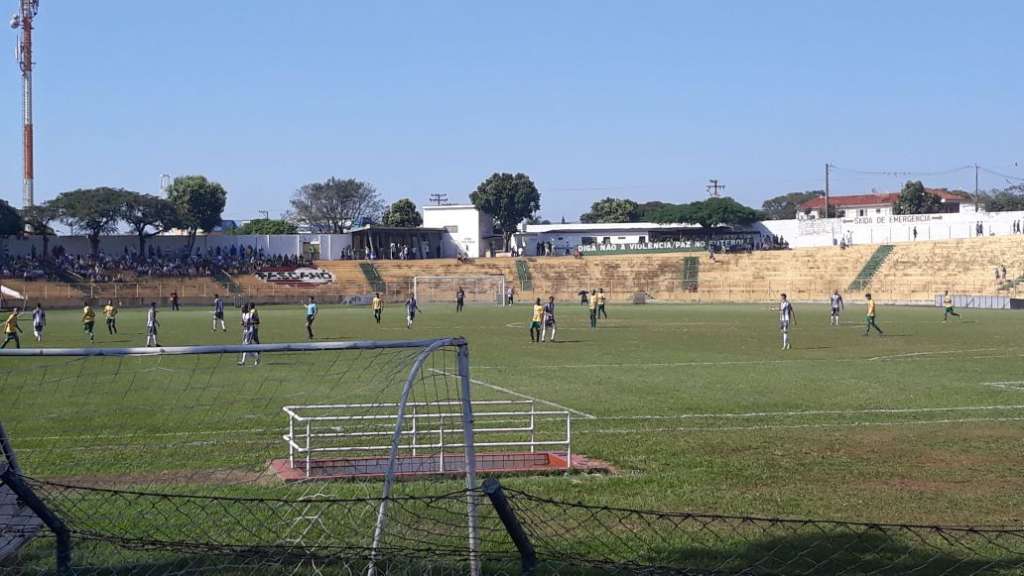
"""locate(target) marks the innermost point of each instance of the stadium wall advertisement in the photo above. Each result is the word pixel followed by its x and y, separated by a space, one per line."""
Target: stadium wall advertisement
pixel 296 276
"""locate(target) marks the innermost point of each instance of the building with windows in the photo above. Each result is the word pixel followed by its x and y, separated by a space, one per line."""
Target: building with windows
pixel 875 205
pixel 468 231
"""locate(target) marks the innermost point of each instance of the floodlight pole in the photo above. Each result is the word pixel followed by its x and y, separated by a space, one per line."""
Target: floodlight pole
pixel 24 20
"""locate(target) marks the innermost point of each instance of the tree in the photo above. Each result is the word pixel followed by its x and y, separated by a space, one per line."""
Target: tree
pixel 612 210
pixel 11 223
pixel 709 213
pixel 148 215
pixel 332 205
pixel 200 204
pixel 92 211
pixel 38 217
pixel 914 199
pixel 1003 200
pixel 509 199
pixel 786 206
pixel 265 226
pixel 403 214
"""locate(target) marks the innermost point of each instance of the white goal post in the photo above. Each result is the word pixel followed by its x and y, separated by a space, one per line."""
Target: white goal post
pixel 488 289
pixel 194 417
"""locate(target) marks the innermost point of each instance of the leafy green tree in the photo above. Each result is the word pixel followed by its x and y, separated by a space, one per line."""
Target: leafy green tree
pixel 785 207
pixel 92 211
pixel 655 211
pixel 710 213
pixel 11 223
pixel 265 226
pixel 38 218
pixel 332 205
pixel 200 204
pixel 612 210
pixel 914 199
pixel 509 199
pixel 1003 200
pixel 403 214
pixel 148 215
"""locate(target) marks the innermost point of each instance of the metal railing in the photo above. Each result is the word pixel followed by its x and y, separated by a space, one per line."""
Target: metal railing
pixel 434 428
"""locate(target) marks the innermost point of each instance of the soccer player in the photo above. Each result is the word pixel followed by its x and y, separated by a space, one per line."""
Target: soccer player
pixel 378 307
pixel 787 316
pixel 311 313
pixel 11 330
pixel 410 311
pixel 871 316
pixel 110 313
pixel 218 313
pixel 600 304
pixel 836 301
pixel 592 304
pixel 250 331
pixel 538 317
pixel 89 321
pixel 152 324
pixel 549 319
pixel 38 322
pixel 174 301
pixel 460 299
pixel 947 302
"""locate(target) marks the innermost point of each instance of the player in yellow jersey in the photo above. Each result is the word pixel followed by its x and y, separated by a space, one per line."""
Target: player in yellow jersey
pixel 378 307
pixel 538 316
pixel 871 317
pixel 110 312
pixel 89 321
pixel 11 330
pixel 600 304
pixel 592 304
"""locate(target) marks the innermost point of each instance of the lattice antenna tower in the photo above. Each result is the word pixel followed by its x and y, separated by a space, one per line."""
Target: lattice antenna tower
pixel 23 21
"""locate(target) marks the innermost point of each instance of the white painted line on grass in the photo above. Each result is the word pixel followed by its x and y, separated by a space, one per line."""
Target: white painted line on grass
pixel 909 356
pixel 1014 385
pixel 519 394
pixel 912 354
pixel 797 426
pixel 792 413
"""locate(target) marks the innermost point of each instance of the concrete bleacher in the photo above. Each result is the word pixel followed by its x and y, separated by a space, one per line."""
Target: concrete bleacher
pixel 913 272
pixel 916 271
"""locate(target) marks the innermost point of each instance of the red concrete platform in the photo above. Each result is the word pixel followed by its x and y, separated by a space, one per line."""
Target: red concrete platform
pixel 410 467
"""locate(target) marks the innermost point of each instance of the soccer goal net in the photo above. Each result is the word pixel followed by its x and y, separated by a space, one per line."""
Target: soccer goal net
pixel 178 460
pixel 477 289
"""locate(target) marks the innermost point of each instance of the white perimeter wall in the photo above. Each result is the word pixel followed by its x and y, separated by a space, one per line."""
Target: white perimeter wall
pixel 887 228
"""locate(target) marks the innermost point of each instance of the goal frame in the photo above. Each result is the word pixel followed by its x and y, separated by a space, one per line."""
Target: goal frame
pixel 427 348
pixel 499 299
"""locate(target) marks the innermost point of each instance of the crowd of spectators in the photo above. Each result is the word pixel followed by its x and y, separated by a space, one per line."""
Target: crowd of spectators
pixel 130 267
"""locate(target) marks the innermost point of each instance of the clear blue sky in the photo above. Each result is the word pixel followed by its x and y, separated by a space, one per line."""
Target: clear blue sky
pixel 646 99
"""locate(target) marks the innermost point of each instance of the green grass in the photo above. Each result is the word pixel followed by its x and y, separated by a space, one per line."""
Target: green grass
pixel 695 405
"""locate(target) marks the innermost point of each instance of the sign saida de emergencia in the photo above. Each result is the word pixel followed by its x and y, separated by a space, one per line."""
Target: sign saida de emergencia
pixel 296 276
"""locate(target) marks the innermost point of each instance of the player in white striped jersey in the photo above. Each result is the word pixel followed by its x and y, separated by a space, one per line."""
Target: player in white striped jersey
pixel 787 316
pixel 836 301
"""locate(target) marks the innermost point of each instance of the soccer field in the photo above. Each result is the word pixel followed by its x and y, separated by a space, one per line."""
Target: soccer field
pixel 696 406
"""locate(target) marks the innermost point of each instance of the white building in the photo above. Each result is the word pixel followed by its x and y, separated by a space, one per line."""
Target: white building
pixel 469 232
pixel 565 238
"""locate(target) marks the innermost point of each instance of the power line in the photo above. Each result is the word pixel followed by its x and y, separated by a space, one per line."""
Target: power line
pixel 1000 174
pixel 903 173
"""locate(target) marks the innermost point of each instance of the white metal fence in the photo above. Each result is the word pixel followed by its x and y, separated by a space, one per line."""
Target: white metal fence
pixel 429 428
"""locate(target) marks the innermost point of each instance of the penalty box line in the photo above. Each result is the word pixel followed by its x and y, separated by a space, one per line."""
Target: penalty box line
pixel 518 394
pixel 797 413
pixel 799 426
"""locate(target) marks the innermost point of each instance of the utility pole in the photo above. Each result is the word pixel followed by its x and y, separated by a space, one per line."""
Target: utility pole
pixel 439 199
pixel 975 187
pixel 714 187
pixel 23 20
pixel 828 169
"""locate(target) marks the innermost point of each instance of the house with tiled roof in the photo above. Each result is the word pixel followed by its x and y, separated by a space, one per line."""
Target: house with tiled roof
pixel 878 204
